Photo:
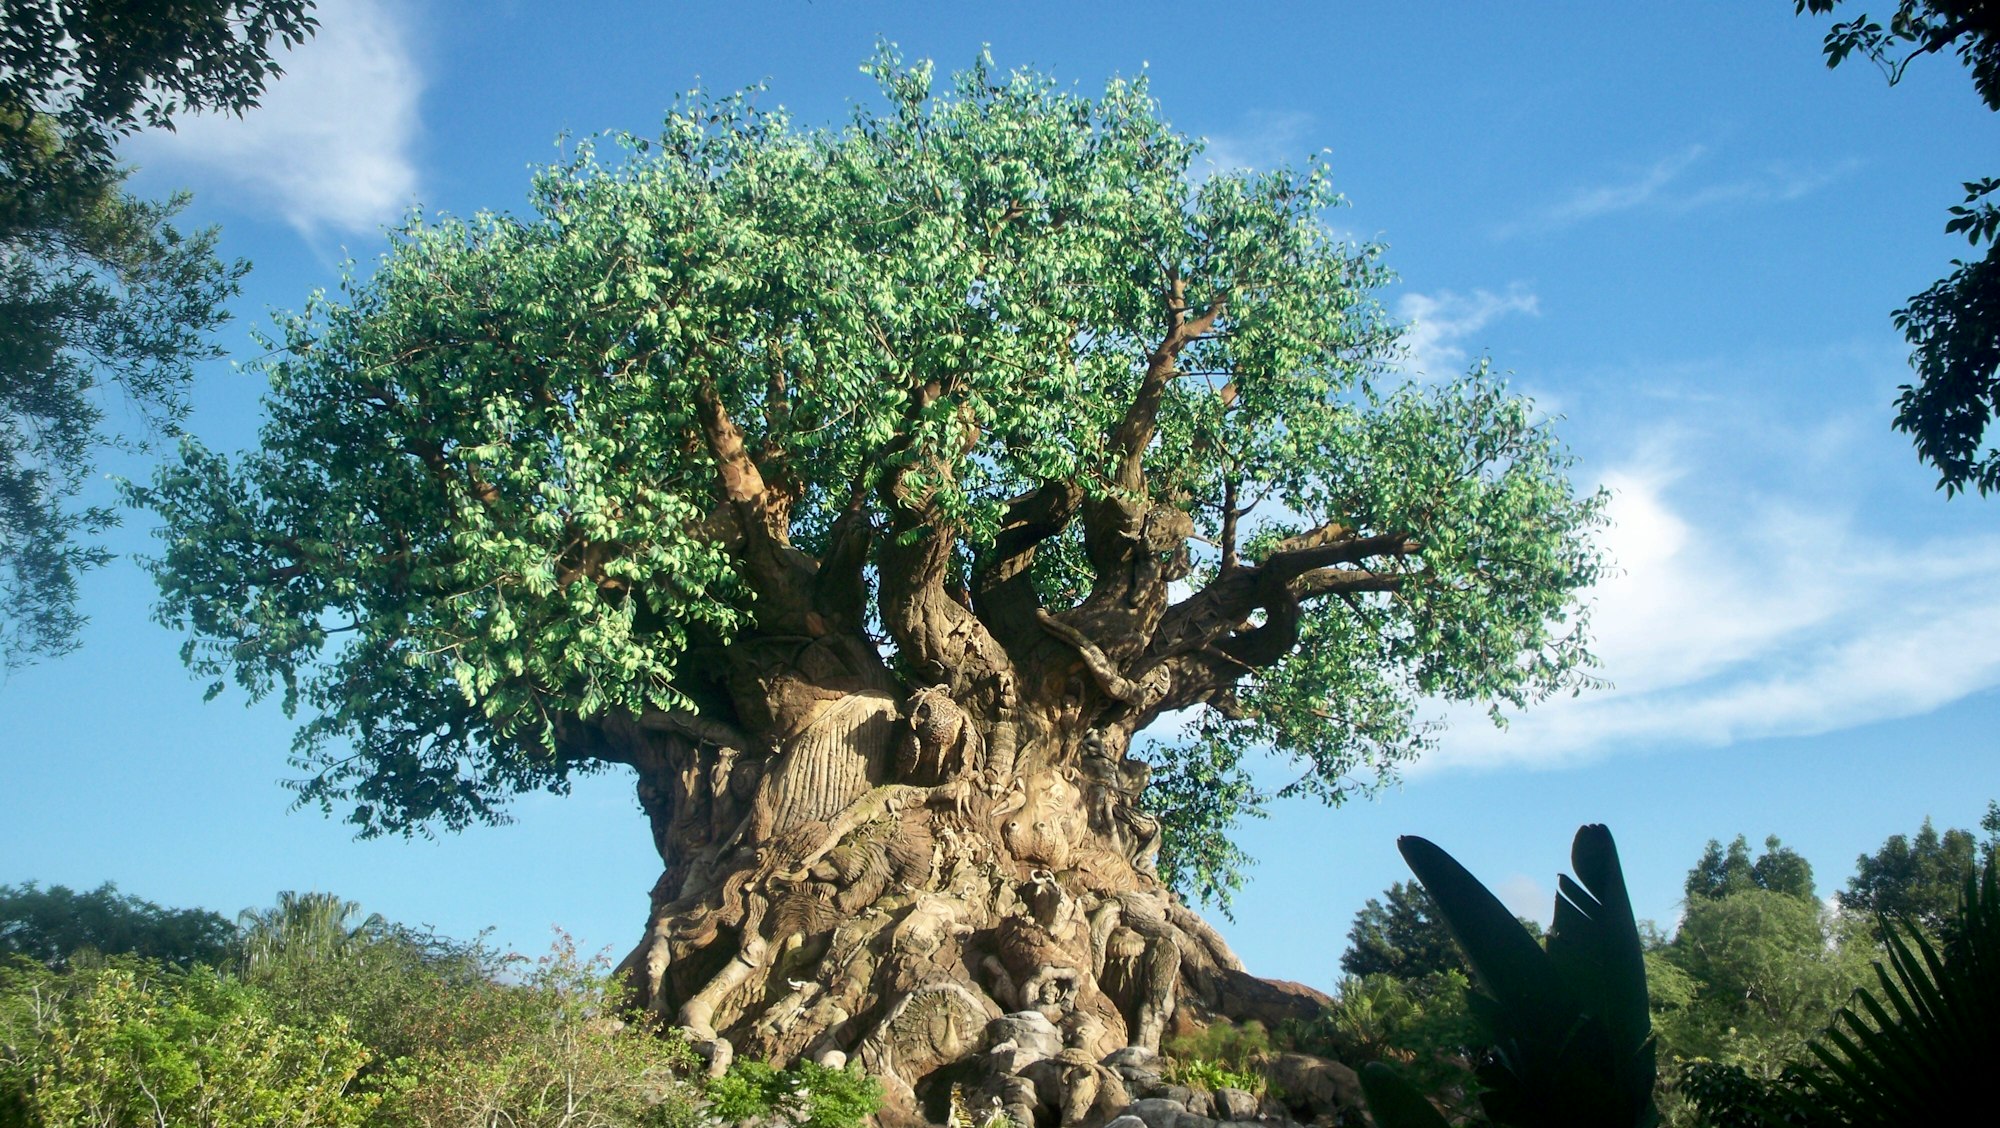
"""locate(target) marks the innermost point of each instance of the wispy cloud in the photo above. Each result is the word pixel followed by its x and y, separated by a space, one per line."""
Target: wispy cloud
pixel 1266 140
pixel 1440 323
pixel 1773 618
pixel 330 146
pixel 1673 185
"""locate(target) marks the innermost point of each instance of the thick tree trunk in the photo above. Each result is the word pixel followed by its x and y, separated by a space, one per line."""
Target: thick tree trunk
pixel 949 899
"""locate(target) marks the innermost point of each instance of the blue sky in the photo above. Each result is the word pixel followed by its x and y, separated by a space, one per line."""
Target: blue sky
pixel 1683 237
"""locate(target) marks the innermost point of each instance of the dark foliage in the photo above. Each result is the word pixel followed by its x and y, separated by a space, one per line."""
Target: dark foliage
pixel 1568 1023
pixel 1919 879
pixel 96 287
pixel 1406 937
pixel 52 926
pixel 1921 1048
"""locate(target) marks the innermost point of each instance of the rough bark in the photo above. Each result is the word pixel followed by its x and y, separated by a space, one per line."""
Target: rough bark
pixel 870 874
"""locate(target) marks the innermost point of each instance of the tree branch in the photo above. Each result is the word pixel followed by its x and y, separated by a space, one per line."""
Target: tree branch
pixel 1102 669
pixel 1309 567
pixel 1135 431
pixel 1003 587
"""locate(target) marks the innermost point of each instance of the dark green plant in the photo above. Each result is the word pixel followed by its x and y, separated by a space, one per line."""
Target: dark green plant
pixel 1917 879
pixel 1404 937
pixel 98 288
pixel 1922 1050
pixel 1567 1023
pixel 1730 1096
pixel 1951 327
pixel 1719 873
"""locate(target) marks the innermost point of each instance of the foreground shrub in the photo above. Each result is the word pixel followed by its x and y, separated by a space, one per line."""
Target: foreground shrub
pixel 126 1045
pixel 552 1052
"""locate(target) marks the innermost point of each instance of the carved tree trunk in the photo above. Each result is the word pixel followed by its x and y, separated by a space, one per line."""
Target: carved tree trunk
pixel 943 871
pixel 883 872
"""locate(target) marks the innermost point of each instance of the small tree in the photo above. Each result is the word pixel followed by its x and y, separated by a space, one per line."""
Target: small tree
pixel 865 493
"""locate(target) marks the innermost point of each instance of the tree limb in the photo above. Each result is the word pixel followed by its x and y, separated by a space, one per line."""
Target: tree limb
pixel 1003 588
pixel 1102 669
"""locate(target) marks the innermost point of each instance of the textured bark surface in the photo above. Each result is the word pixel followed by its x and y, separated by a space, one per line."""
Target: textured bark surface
pixel 887 873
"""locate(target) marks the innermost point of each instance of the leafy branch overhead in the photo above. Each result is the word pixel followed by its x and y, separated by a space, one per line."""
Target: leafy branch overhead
pixel 1954 326
pixel 97 288
pixel 984 385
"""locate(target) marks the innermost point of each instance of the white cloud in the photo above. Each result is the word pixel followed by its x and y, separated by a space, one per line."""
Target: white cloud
pixel 330 144
pixel 1771 618
pixel 1440 322
pixel 1667 186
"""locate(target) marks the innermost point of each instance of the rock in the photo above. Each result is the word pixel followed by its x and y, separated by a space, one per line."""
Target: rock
pixel 1136 1058
pixel 1270 1001
pixel 1235 1104
pixel 1127 1121
pixel 1179 1094
pixel 1201 1103
pixel 833 1059
pixel 1313 1085
pixel 1157 1112
pixel 1016 1097
pixel 1031 1032
pixel 1009 1057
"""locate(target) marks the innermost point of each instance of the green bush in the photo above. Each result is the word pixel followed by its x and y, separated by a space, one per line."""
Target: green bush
pixel 1221 1056
pixel 554 1050
pixel 808 1095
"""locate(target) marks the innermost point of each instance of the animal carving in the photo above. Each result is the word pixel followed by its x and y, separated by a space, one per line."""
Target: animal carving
pixel 942 742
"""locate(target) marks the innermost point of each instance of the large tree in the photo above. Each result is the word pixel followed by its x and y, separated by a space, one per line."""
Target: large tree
pixel 1954 326
pixel 98 289
pixel 865 493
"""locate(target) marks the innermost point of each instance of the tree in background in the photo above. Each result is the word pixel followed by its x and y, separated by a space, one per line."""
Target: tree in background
pixel 1955 325
pixel 97 287
pixel 1756 969
pixel 1779 869
pixel 52 926
pixel 1759 974
pixel 1405 938
pixel 866 493
pixel 1919 880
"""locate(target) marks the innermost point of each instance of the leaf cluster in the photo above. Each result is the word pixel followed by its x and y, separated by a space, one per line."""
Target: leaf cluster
pixel 808 1094
pixel 495 499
